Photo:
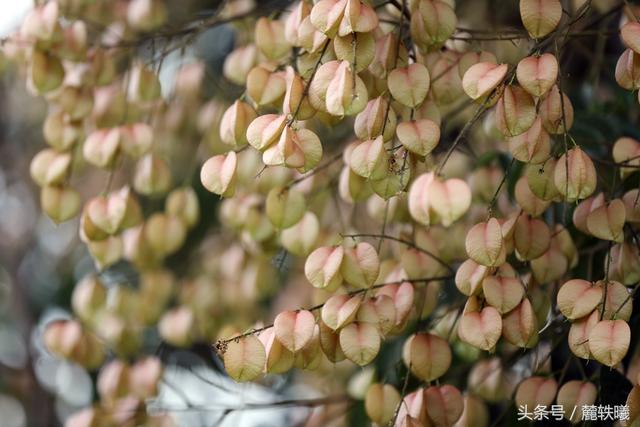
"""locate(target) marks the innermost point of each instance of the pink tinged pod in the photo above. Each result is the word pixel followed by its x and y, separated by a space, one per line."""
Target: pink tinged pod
pixel 575 175
pixel 475 413
pixel 444 405
pixel 520 326
pixel 370 159
pixel 532 146
pixel 432 23
pixel 365 49
pixel 340 310
pixel 381 402
pixel 218 174
pixel 618 304
pixel 579 331
pixel 540 17
pixel 515 111
pixel 409 86
pixel 293 22
pixel 609 341
pixel 49 167
pixel 419 136
pixel 370 123
pixel 360 342
pixel 270 38
pixel 577 298
pixel 470 276
pixel 624 263
pixel 330 343
pixel 607 221
pixel 531 237
pixel 265 130
pixel 322 267
pixel 136 139
pixel 482 78
pixel 480 328
pixel 630 34
pixel 551 108
pixel 484 244
pixel 573 396
pixel 626 151
pixel 294 329
pixel 244 358
pixel 427 356
pixel 239 62
pixel 60 203
pixel 503 293
pixel 628 70
pixel 101 147
pixel 379 311
pixel 403 299
pixel 234 124
pixel 536 391
pixel 537 74
pixel 528 201
pixel 360 265
pixel 152 176
pixel 584 208
pixel 432 201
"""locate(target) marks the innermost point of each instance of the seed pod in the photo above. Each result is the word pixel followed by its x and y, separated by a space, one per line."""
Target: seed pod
pixel 235 122
pixel 389 54
pixel 626 151
pixel 67 339
pixel 409 86
pixel 485 245
pixel 346 93
pixel 330 343
pixel 480 328
pixel 300 239
pixel 541 180
pixel 469 59
pixel 218 174
pixel 481 79
pixel 102 147
pixel 146 15
pixel 239 62
pixel 183 204
pixel 47 72
pixel 551 108
pixel 370 123
pixel 520 326
pixel 515 111
pixel 607 221
pixel 313 41
pixel 469 276
pixel 41 24
pixel 578 338
pixel 50 167
pixel 322 267
pixel 136 139
pixel 343 17
pixel 444 405
pixel 537 74
pixel 578 298
pixel 628 70
pixel 293 22
pixel 419 136
pixel 427 356
pixel 89 296
pixel 285 207
pixel 535 391
pixel 152 176
pixel 270 39
pixel 296 104
pixel 584 208
pixel 403 299
pixel 294 329
pixel 59 133
pixel 532 237
pixel 369 159
pixel 381 402
pixel 164 234
pixel 114 213
pixel 630 33
pixel 265 130
pixel 432 23
pixel 379 311
pixel 447 88
pixel 609 341
pixel 631 200
pixel 360 342
pixel 244 358
pixel 624 263
pixel 357 48
pixel 618 304
pixel 540 17
pixel 60 203
pixel 528 201
pixel 575 175
pixel 340 310
pixel 475 413
pixel 487 380
pixel 503 293
pixel 432 201
pixel 360 265
pixel 573 396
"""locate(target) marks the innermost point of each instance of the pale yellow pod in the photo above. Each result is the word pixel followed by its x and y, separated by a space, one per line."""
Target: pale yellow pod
pixel 515 111
pixel 540 17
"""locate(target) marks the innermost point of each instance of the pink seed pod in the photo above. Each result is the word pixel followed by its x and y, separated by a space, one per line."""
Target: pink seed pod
pixel 609 341
pixel 427 356
pixel 535 391
pixel 322 267
pixel 531 236
pixel 370 123
pixel 577 298
pixel 607 221
pixel 432 200
pixel 480 328
pixel 515 111
pixel 575 175
pixel 532 146
pixel 630 34
pixel 152 176
pixel 409 86
pixel 485 245
pixel 626 151
pixel 628 70
pixel 520 325
pixel 244 358
pixel 584 208
pixel 270 38
pixel 537 74
pixel 551 109
pixel 573 395
pixel 482 78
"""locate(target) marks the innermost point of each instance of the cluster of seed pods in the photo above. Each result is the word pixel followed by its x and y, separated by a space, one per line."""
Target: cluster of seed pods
pixel 341 109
